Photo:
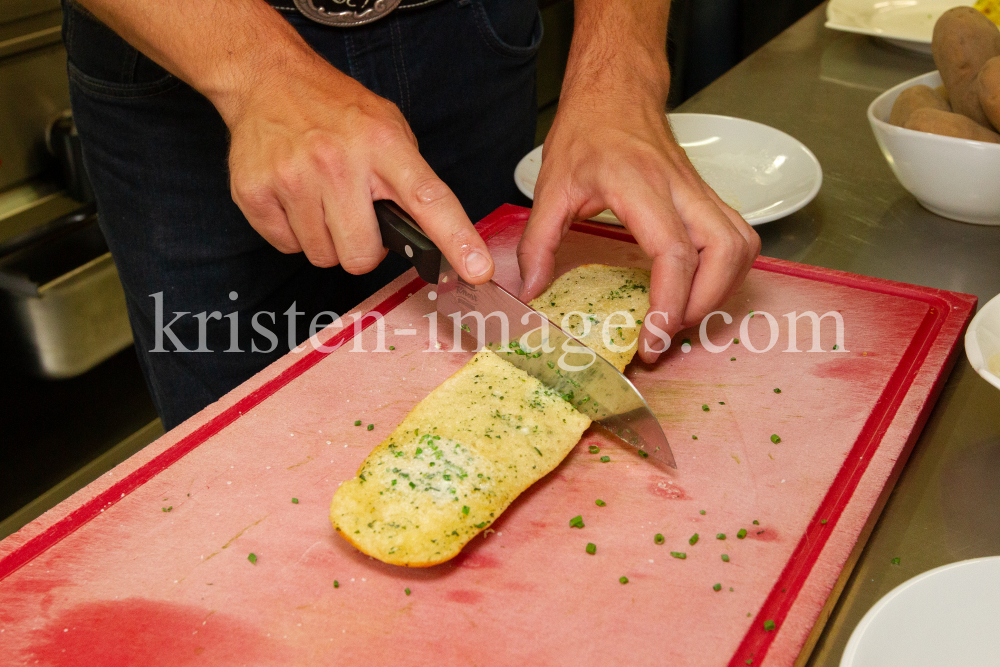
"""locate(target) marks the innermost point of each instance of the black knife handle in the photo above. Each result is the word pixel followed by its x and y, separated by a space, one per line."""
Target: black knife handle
pixel 401 235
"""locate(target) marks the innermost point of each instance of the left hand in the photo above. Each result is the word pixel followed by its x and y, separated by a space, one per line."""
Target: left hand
pixel 608 151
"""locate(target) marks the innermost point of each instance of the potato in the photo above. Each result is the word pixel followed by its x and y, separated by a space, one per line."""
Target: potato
pixel 913 98
pixel 988 88
pixel 964 39
pixel 943 92
pixel 949 124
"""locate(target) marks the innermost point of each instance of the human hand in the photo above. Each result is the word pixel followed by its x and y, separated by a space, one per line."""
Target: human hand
pixel 612 152
pixel 311 149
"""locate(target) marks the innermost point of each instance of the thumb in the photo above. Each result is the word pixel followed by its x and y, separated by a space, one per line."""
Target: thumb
pixel 536 253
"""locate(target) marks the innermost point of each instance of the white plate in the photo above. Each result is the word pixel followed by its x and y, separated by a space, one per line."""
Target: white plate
pixel 982 343
pixel 761 172
pixel 947 616
pixel 905 23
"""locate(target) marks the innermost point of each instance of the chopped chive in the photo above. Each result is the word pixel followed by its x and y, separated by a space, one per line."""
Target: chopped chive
pixel 658 538
pixel 722 402
pixel 465 510
pixel 167 509
pixel 822 521
pixel 777 391
pixel 705 408
pixel 600 503
pixel 717 588
pixel 741 534
pixel 591 548
pixel 605 459
pixel 538 450
pixel 686 341
pixel 393 347
pixel 357 422
pixel 725 558
pixel 736 341
pixel 732 358
pixel 701 512
pixel 694 437
pixel 679 554
pixel 295 501
pixel 550 364
pixel 336 584
pixel 895 561
pixel 693 540
pixel 756 522
pixel 623 580
pixel 252 558
pixel 835 347
pixel 371 427
pixel 769 625
pixel 576 522
pixel 720 536
pixel 406 590
pixel 775 439
pixel 593 449
pixel 643 454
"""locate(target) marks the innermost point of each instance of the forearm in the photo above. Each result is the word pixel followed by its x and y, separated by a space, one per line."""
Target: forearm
pixel 225 49
pixel 619 49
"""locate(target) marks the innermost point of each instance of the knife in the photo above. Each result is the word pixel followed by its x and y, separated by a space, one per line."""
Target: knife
pixel 527 339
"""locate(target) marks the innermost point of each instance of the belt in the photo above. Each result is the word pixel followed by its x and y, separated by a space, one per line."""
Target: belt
pixel 347 12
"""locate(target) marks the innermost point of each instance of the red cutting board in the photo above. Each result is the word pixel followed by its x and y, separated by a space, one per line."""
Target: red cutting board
pixel 110 578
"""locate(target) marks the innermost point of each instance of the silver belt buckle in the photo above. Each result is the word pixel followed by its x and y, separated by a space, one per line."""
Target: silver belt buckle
pixel 345 12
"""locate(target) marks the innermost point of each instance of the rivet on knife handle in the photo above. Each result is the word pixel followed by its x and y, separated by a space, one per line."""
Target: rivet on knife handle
pixel 401 235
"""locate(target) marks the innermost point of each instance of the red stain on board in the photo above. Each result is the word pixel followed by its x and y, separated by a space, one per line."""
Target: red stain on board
pixel 663 487
pixel 476 561
pixel 135 631
pixel 463 596
pixel 29 595
pixel 763 534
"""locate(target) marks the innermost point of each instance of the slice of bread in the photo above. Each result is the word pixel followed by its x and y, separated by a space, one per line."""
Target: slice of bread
pixel 463 454
pixel 582 300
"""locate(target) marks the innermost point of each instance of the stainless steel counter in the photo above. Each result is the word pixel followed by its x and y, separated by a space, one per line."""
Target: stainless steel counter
pixel 816 84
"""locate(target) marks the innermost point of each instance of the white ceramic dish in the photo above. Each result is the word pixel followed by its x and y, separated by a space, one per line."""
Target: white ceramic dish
pixel 947 616
pixel 762 172
pixel 982 342
pixel 905 23
pixel 952 177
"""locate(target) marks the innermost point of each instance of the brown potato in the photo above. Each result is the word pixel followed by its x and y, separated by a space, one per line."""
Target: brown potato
pixel 913 98
pixel 964 39
pixel 943 92
pixel 950 124
pixel 988 87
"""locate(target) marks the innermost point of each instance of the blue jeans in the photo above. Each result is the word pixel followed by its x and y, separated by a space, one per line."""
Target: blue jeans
pixel 463 74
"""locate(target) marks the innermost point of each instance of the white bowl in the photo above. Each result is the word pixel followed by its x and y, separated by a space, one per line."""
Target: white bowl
pixel 956 178
pixel 947 616
pixel 982 342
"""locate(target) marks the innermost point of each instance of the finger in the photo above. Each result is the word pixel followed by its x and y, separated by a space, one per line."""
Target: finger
pixel 658 229
pixel 305 217
pixel 536 253
pixel 411 183
pixel 264 213
pixel 742 226
pixel 354 228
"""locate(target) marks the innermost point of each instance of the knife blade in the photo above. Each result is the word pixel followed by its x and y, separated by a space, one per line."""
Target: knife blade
pixel 495 318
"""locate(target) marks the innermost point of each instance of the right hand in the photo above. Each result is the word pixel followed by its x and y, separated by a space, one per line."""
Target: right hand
pixel 311 149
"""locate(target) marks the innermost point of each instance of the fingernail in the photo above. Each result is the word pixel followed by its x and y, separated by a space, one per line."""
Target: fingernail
pixel 476 264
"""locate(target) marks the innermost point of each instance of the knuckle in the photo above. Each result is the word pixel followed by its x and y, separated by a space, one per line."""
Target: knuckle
pixel 288 178
pixel 429 191
pixel 322 259
pixel 250 195
pixel 684 256
pixel 359 264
